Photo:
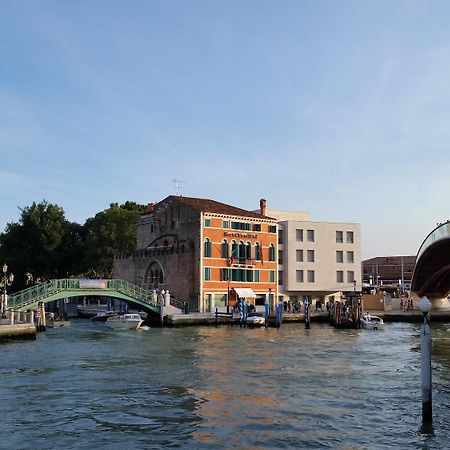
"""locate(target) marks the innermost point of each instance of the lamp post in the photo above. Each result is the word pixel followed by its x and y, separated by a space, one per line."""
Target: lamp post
pixel 425 353
pixel 6 281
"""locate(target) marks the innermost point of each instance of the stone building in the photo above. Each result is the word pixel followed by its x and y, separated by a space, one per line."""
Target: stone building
pixel 204 252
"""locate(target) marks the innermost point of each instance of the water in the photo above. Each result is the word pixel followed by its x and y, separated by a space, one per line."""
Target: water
pixel 90 387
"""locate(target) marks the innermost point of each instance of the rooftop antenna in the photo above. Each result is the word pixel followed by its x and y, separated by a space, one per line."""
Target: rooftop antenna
pixel 177 185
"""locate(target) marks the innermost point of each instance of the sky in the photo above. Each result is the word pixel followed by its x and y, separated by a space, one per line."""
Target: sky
pixel 337 108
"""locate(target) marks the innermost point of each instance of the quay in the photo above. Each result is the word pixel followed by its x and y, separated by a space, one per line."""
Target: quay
pixel 18 331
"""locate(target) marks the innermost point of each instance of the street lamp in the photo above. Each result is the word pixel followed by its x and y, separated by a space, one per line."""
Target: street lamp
pixel 4 283
pixel 425 356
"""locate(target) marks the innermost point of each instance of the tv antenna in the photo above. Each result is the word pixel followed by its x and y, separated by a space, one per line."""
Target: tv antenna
pixel 177 185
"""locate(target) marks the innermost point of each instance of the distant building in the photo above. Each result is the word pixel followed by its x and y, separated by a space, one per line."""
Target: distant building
pixel 204 252
pixel 316 259
pixel 395 270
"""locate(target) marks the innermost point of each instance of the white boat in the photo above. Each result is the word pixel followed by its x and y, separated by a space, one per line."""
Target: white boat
pixel 102 316
pixel 255 319
pixel 125 322
pixel 370 322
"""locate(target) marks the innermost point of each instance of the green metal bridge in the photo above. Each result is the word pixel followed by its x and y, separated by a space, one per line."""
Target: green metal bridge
pixel 71 287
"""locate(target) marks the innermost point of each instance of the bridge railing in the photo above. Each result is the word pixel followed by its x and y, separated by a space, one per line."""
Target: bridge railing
pixel 41 291
pixel 132 290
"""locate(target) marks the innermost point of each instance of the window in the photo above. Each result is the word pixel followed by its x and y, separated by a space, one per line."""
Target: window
pixel 339 256
pixel 257 252
pixel 271 253
pixel 280 236
pixel 225 274
pixel 310 275
pixel 272 276
pixel 225 249
pixel 207 273
pixel 256 227
pixel 152 226
pixel 299 235
pixel 350 257
pixel 350 276
pixel 207 248
pixel 234 249
pixel 257 276
pixel 349 237
pixel 246 226
pixel 310 235
pixel 250 275
pixel 280 256
pixel 207 222
pixel 310 255
pixel 299 276
pixel 272 228
pixel 280 277
pixel 248 250
pixel 340 276
pixel 339 237
pixel 235 225
pixel 241 250
pixel 299 255
pixel 225 224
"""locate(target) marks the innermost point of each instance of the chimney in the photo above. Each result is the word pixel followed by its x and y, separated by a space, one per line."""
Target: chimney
pixel 150 208
pixel 262 206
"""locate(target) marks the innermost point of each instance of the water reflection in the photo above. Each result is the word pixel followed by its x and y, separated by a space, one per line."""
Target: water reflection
pixel 91 387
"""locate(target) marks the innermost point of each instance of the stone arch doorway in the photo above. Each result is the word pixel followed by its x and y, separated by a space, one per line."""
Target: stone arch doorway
pixel 154 276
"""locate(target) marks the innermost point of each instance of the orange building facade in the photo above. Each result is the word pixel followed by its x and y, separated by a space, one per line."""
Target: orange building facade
pixel 238 260
pixel 207 254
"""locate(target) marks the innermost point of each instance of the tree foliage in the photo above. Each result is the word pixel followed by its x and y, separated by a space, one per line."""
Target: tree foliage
pixel 46 244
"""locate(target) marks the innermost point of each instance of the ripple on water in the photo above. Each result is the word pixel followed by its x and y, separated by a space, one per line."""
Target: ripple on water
pixel 89 387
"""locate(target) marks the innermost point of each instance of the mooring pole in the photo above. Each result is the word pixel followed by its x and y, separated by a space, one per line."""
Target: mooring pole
pixel 425 357
pixel 307 325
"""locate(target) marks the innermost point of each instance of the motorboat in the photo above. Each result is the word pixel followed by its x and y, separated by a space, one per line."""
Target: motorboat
pixel 370 322
pixel 256 319
pixel 125 322
pixel 103 316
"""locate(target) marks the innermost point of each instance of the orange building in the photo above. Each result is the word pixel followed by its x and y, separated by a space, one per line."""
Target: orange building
pixel 239 258
pixel 206 253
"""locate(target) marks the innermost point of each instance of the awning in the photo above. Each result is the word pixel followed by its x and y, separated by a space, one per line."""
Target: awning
pixel 245 292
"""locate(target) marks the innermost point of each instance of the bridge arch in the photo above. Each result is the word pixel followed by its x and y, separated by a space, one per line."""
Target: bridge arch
pixel 66 288
pixel 431 276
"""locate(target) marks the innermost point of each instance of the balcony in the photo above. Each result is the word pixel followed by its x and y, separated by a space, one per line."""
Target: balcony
pixel 241 262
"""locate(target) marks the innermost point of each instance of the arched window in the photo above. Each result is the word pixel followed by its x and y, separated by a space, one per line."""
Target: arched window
pixel 154 275
pixel 257 252
pixel 271 253
pixel 207 248
pixel 248 250
pixel 234 249
pixel 225 248
pixel 241 250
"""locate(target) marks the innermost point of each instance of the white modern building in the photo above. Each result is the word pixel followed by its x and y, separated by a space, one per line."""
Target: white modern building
pixel 316 260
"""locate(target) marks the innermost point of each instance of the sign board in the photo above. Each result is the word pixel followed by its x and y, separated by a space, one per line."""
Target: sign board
pixel 93 284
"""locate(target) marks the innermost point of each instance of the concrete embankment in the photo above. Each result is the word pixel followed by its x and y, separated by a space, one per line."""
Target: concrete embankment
pixel 19 331
pixel 196 319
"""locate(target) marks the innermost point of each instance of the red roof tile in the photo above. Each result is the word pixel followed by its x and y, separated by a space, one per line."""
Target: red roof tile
pixel 207 205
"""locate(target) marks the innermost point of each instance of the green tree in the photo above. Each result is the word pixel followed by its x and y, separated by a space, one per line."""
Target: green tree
pixel 33 243
pixel 110 231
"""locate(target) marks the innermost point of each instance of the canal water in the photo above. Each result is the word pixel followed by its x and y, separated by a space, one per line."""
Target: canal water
pixel 90 387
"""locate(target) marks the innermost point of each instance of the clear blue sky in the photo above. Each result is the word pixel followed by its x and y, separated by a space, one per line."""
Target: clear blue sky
pixel 338 108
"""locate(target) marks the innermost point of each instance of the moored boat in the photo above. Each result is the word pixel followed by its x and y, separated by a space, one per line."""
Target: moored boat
pixel 125 322
pixel 255 319
pixel 102 316
pixel 370 322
